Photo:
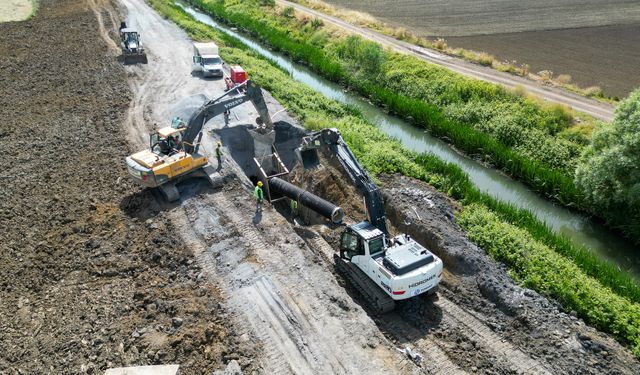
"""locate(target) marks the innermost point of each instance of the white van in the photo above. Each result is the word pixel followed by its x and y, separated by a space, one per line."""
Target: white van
pixel 207 60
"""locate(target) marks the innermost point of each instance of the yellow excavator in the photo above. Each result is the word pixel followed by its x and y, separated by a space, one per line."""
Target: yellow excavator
pixel 173 151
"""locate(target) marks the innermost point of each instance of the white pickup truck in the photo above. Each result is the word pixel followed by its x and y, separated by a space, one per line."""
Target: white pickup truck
pixel 206 59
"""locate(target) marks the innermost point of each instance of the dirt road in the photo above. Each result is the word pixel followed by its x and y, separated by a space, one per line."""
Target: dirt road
pixel 282 295
pixel 589 106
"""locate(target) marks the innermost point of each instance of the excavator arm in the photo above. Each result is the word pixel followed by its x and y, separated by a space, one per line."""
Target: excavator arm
pixel 223 103
pixel 332 139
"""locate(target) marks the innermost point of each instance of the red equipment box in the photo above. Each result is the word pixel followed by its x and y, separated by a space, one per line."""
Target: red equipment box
pixel 238 75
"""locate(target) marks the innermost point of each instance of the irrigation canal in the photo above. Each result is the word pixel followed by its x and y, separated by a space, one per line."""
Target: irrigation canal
pixel 580 229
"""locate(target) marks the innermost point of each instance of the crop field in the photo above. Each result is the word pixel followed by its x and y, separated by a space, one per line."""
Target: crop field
pixel 594 56
pixel 590 40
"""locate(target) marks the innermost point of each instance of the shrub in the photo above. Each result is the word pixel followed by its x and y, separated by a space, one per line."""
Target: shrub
pixel 485 59
pixel 594 91
pixel 609 171
pixel 288 12
pixel 440 44
pixel 563 79
pixel 546 76
pixel 316 23
pixel 365 55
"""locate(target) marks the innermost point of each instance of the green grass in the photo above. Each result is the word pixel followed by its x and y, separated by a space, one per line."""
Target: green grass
pixel 381 154
pixel 35 4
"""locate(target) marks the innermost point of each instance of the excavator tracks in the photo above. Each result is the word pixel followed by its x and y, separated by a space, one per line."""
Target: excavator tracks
pixel 375 297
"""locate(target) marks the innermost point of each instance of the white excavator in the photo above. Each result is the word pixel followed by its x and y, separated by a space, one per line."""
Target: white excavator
pixel 384 269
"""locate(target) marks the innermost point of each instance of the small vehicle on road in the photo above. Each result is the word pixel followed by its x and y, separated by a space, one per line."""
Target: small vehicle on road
pixel 206 59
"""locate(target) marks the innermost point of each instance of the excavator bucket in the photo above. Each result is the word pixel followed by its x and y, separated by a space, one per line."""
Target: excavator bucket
pixel 308 157
pixel 135 58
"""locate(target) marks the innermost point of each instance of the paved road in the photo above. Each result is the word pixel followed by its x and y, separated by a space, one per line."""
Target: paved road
pixel 591 107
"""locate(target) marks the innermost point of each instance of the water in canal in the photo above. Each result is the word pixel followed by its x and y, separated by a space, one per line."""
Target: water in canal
pixel 580 229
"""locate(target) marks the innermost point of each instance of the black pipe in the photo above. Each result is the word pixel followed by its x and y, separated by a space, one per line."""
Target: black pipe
pixel 314 202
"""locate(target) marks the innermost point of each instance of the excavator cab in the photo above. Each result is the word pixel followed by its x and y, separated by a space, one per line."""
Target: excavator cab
pixel 362 239
pixel 174 150
pixel 166 141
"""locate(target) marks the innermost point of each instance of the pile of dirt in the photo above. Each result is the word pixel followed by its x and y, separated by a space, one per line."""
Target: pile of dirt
pixel 90 276
pixel 328 182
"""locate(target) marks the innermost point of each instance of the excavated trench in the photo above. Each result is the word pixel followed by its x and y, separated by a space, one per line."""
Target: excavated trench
pixel 243 148
pixel 249 150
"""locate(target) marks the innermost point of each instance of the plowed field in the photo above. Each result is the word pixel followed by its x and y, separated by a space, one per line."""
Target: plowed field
pixel 593 41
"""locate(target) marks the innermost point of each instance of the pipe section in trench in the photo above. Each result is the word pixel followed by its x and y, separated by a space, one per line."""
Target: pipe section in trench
pixel 314 202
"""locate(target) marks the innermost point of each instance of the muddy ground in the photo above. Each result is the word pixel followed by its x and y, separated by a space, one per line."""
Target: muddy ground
pixel 588 39
pixel 84 283
pixel 97 273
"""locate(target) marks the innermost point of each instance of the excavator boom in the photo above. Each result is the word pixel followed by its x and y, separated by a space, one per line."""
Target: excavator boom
pixel 382 268
pixel 332 139
pixel 212 108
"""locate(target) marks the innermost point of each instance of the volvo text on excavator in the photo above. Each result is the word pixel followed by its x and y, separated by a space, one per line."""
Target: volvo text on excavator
pixel 383 269
pixel 174 150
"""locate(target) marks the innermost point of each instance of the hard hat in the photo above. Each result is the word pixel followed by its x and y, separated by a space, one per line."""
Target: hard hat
pixel 259 183
pixel 219 144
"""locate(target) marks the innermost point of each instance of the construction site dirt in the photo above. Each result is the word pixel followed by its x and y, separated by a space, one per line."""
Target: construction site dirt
pixel 96 272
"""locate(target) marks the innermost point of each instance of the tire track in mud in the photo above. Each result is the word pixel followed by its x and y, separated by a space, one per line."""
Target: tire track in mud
pixel 288 329
pixel 477 330
pixel 97 7
pixel 263 309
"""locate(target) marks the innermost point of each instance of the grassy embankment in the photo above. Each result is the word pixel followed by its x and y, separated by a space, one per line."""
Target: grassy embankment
pixel 440 44
pixel 537 144
pixel 614 296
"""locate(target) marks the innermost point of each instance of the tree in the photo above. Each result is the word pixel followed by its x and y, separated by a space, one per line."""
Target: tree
pixel 608 172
